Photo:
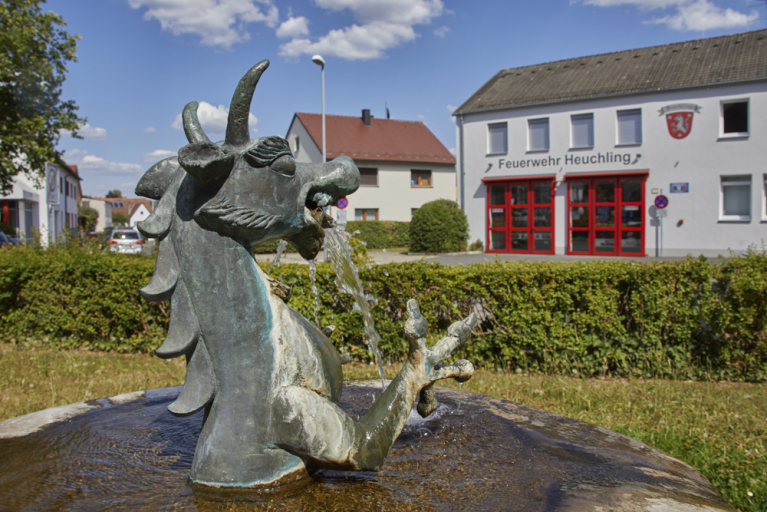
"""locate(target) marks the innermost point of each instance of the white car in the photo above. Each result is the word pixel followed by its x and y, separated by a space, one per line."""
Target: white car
pixel 126 241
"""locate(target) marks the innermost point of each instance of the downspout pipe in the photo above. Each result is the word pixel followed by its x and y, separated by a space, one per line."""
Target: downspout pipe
pixel 462 173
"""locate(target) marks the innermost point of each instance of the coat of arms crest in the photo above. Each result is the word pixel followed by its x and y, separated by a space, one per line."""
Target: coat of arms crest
pixel 679 118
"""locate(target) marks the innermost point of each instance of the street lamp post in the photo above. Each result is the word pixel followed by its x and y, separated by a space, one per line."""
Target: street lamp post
pixel 317 59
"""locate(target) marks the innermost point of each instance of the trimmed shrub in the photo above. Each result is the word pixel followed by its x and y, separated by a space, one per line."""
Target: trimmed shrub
pixel 477 245
pixel 689 319
pixel 439 226
pixel 381 234
pixel 271 247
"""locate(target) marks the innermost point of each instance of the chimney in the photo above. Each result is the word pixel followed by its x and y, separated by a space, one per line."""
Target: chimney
pixel 366 116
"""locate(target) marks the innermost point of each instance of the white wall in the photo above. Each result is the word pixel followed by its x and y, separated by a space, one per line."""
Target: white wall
pixel 699 159
pixel 104 209
pixel 140 214
pixel 308 151
pixel 395 197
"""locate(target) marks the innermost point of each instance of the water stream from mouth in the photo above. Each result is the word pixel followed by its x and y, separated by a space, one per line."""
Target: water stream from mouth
pixel 315 291
pixel 281 246
pixel 348 281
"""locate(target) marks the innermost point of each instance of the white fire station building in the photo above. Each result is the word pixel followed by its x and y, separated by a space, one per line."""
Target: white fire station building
pixel 632 153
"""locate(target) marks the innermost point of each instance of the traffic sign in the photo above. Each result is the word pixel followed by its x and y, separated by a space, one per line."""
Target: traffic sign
pixel 661 201
pixel 342 203
pixel 660 214
pixel 680 188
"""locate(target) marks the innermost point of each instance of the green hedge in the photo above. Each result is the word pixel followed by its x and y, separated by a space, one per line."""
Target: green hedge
pixel 690 319
pixel 380 234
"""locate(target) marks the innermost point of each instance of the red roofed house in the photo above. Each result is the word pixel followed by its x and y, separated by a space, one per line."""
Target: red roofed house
pixel 402 164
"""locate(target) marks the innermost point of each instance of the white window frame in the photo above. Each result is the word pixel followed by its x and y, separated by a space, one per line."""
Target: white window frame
pixel 617 128
pixel 722 184
pixel 734 135
pixel 764 197
pixel 539 120
pixel 573 117
pixel 505 126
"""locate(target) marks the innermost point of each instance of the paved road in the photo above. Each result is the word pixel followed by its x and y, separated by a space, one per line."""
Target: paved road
pixel 380 258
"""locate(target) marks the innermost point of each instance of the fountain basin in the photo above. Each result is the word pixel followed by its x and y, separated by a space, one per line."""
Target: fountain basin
pixel 474 453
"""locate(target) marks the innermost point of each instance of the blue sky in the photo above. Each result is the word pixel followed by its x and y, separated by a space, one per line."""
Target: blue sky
pixel 140 61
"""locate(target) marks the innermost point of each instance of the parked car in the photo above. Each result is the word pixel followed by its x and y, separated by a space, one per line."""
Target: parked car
pixel 7 240
pixel 126 241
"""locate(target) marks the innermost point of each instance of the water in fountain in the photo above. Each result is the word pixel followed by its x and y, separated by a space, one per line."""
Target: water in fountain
pixel 281 246
pixel 348 281
pixel 315 290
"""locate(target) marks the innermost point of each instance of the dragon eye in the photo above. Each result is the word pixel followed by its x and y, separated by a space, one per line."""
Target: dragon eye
pixel 284 165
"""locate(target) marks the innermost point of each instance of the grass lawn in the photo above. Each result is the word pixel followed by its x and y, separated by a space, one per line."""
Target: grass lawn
pixel 718 428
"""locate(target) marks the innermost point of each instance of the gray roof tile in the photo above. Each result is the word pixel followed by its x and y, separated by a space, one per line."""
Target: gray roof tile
pixel 717 60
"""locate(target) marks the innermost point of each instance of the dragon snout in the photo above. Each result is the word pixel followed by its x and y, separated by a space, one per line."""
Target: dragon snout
pixel 327 183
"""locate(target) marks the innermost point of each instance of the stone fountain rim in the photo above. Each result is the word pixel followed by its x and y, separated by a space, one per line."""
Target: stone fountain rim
pixel 26 424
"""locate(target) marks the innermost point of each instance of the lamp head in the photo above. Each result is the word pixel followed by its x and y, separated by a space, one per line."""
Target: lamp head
pixel 317 59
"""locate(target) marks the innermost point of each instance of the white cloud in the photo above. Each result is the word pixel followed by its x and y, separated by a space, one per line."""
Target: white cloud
pixel 453 151
pixel 293 27
pixel 441 32
pixel 642 4
pixel 381 25
pixel 451 108
pixel 421 117
pixel 89 132
pixel 157 155
pixel 96 165
pixel 703 15
pixel 92 132
pixel 213 119
pixel 216 22
pixel 697 15
pixel 149 129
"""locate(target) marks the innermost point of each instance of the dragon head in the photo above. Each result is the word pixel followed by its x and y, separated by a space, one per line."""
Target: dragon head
pixel 252 189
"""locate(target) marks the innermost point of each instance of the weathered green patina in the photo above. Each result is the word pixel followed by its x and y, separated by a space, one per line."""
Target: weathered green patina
pixel 268 380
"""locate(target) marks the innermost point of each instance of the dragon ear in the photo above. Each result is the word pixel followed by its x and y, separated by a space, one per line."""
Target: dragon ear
pixel 207 163
pixel 156 180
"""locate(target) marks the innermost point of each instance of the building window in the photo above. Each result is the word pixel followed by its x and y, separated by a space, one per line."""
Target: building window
pixel 629 126
pixel 296 145
pixel 764 198
pixel 538 134
pixel 420 178
pixel 736 198
pixel 497 139
pixel 368 177
pixel 735 118
pixel 582 131
pixel 366 214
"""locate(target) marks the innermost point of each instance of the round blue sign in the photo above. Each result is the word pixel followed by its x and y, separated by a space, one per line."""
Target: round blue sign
pixel 342 203
pixel 661 202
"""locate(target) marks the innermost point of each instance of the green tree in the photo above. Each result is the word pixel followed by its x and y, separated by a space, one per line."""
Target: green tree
pixel 33 60
pixel 114 193
pixel 91 217
pixel 119 219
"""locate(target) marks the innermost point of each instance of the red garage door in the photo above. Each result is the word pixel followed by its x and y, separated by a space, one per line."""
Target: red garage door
pixel 520 216
pixel 605 215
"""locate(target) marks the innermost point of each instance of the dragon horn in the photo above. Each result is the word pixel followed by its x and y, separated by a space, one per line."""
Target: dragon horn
pixel 237 132
pixel 192 127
